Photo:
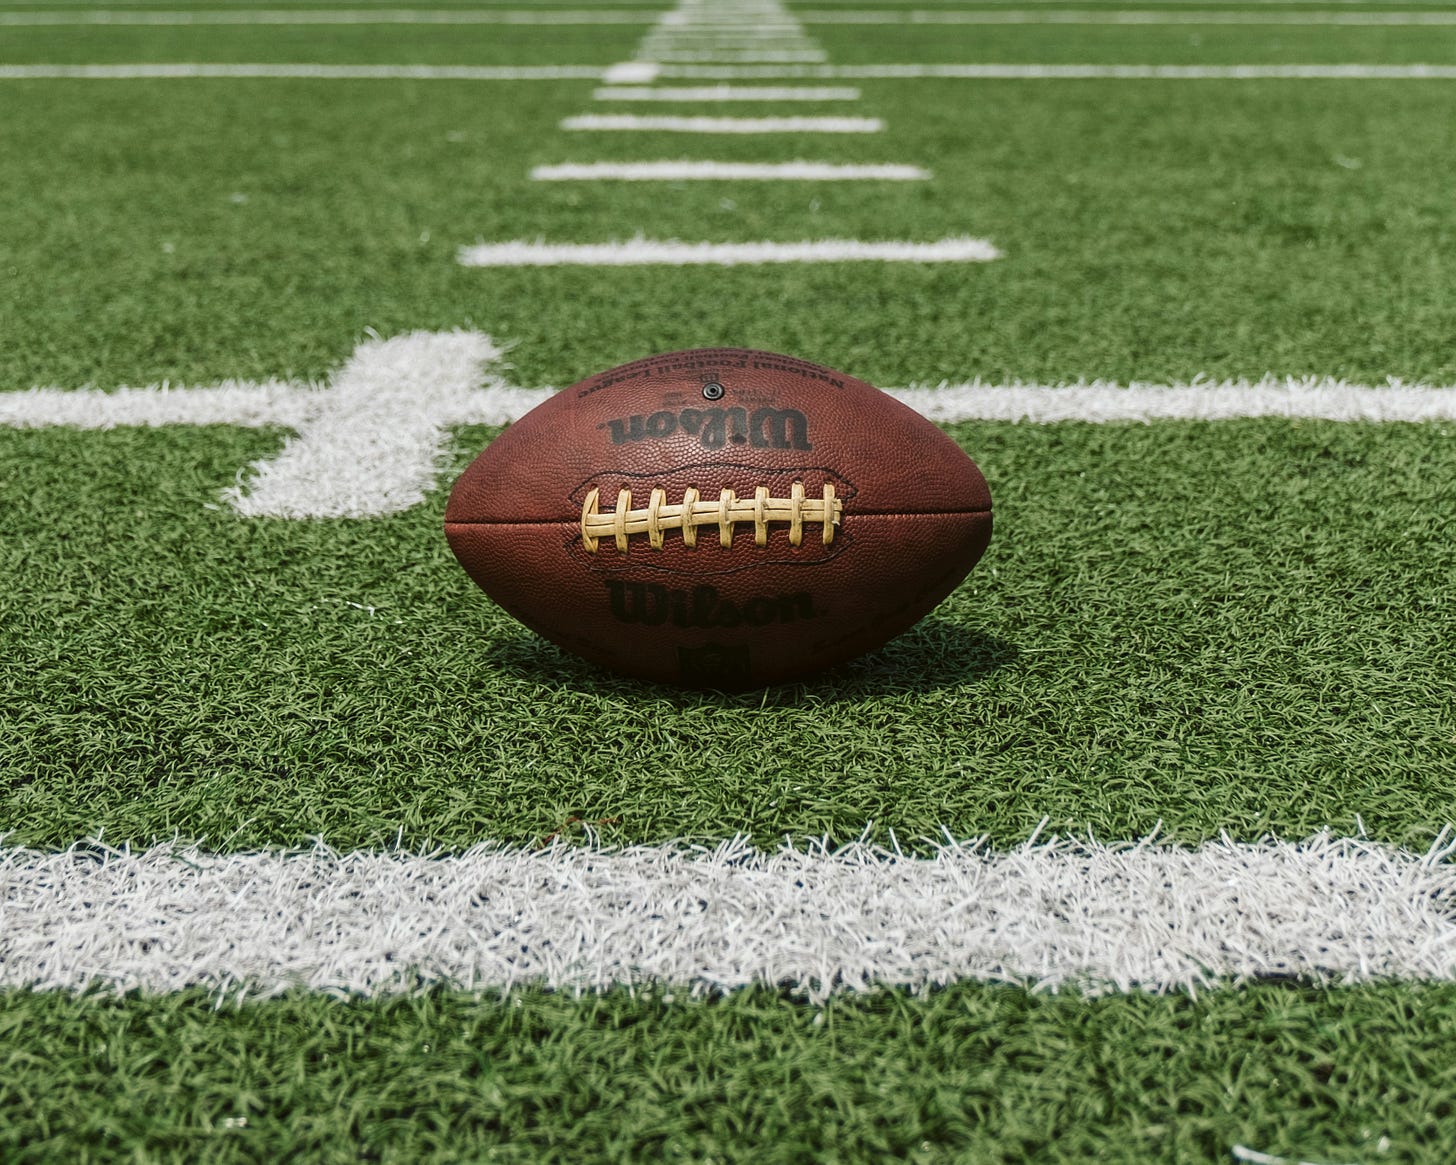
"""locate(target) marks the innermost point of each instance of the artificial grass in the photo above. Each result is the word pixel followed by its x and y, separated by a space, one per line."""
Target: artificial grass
pixel 973 1073
pixel 202 230
pixel 1231 626
pixel 1241 626
pixel 1221 626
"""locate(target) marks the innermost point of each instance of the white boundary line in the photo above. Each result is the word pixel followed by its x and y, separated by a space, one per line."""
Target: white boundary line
pixel 102 18
pixel 1127 17
pixel 1098 401
pixel 762 31
pixel 1028 72
pixel 715 93
pixel 312 72
pixel 630 73
pixel 650 252
pixel 728 171
pixel 723 125
pixel 1048 915
pixel 370 442
pixel 736 56
pixel 643 72
pixel 373 443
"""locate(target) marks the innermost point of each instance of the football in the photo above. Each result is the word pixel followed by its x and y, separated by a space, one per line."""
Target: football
pixel 719 518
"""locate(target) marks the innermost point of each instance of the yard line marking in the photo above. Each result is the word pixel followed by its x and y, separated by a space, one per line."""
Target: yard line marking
pixel 738 34
pixel 248 405
pixel 667 27
pixel 1028 72
pixel 733 50
pixel 1126 17
pixel 1304 398
pixel 728 171
pixel 312 72
pixel 367 444
pixel 108 17
pixel 373 446
pixel 736 15
pixel 705 43
pixel 996 4
pixel 695 32
pixel 643 72
pixel 631 73
pixel 727 93
pixel 736 56
pixel 724 125
pixel 370 442
pixel 292 405
pixel 1170 3
pixel 650 252
pixel 1049 915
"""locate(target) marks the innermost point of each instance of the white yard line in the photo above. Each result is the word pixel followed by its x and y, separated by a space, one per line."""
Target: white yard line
pixel 671 253
pixel 724 93
pixel 733 33
pixel 723 125
pixel 1127 17
pixel 739 56
pixel 644 72
pixel 1028 72
pixel 233 402
pixel 374 443
pixel 312 72
pixel 370 441
pixel 106 17
pixel 727 171
pixel 1049 915
pixel 631 73
pixel 1310 398
pixel 997 4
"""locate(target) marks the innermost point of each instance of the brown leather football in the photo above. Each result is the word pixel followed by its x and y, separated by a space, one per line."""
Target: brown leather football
pixel 719 518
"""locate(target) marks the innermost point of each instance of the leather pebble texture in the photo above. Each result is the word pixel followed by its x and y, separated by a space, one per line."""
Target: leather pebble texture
pixel 666 518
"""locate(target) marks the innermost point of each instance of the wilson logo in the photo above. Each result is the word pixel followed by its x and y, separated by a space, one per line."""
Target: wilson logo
pixel 764 428
pixel 653 604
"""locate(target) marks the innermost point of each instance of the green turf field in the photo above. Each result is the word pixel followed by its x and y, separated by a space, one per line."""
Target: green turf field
pixel 1231 628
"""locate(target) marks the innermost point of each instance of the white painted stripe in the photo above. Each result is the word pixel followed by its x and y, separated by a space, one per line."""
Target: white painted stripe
pixel 1162 3
pixel 631 73
pixel 373 446
pixel 1048 915
pixel 108 17
pixel 746 35
pixel 650 46
pixel 1099 401
pixel 735 56
pixel 724 125
pixel 739 171
pixel 711 50
pixel 643 72
pixel 306 72
pixel 1168 3
pixel 371 442
pixel 272 403
pixel 649 252
pixel 276 403
pixel 747 27
pixel 1067 72
pixel 771 17
pixel 774 93
pixel 1127 17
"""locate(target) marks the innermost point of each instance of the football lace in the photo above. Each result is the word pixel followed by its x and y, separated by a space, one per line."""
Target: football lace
pixel 694 511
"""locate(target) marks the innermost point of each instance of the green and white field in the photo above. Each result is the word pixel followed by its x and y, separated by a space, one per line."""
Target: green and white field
pixel 1135 850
